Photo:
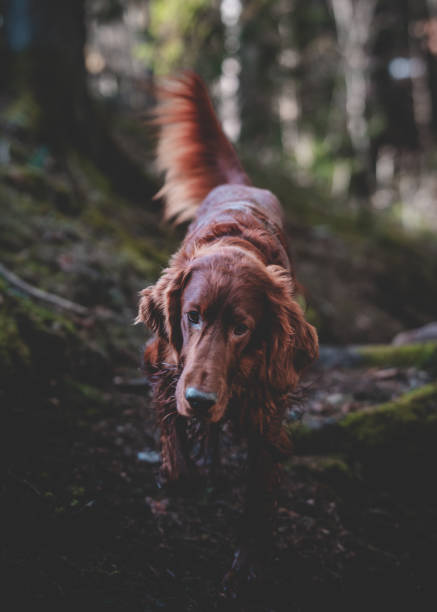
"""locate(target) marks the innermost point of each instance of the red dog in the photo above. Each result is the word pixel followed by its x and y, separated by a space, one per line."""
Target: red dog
pixel 231 340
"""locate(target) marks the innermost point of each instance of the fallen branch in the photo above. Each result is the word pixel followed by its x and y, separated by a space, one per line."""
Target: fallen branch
pixel 58 301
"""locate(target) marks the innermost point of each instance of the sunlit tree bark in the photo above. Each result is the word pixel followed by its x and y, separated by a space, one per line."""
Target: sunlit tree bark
pixel 353 20
pixel 259 48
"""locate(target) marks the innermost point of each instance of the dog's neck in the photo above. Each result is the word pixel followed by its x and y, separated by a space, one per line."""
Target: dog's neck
pixel 240 224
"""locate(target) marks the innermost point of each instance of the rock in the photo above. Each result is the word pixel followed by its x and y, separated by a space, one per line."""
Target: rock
pixel 337 399
pixel 392 443
pixel 149 456
pixel 418 354
pixel 337 356
pixel 426 333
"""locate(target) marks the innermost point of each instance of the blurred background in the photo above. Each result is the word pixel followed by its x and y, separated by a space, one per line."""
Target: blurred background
pixel 332 105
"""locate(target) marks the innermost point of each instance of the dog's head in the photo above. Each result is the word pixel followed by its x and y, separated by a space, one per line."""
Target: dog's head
pixel 228 317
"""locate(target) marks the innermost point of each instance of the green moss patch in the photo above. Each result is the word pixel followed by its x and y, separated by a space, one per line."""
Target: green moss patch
pixel 423 355
pixel 400 421
pixel 392 445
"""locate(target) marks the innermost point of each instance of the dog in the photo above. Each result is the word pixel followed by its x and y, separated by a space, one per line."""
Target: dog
pixel 231 341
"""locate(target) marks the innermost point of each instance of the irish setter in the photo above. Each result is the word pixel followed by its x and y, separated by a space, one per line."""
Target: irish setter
pixel 230 338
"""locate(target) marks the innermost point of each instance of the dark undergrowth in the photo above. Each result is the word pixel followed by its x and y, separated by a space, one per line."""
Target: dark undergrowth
pixel 85 525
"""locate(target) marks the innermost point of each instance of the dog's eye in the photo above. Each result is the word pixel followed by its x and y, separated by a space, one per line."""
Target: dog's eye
pixel 193 317
pixel 241 329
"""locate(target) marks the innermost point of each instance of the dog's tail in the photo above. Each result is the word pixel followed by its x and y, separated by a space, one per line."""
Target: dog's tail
pixel 193 150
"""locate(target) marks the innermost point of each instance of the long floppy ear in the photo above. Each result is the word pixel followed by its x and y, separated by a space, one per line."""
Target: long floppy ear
pixel 159 306
pixel 293 342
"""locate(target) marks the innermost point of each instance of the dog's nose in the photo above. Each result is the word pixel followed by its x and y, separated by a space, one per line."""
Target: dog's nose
pixel 200 401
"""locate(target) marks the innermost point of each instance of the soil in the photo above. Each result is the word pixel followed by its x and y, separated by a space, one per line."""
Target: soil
pixel 87 527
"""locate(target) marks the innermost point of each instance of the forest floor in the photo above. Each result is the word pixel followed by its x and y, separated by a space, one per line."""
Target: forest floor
pixel 85 525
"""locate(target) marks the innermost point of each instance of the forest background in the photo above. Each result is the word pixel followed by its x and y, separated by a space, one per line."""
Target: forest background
pixel 331 104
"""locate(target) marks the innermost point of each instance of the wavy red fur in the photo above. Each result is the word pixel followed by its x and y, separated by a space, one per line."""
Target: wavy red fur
pixel 193 151
pixel 231 341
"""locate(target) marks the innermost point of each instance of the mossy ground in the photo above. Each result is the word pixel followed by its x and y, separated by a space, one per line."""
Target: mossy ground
pixel 413 414
pixel 389 446
pixel 422 355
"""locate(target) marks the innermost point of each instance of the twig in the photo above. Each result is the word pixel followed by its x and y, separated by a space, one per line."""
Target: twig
pixel 61 302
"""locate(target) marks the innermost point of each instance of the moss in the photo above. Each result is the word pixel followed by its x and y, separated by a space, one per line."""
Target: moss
pixel 390 446
pixel 423 355
pixel 14 353
pixel 34 181
pixel 109 225
pixel 77 491
pixel 320 464
pixel 90 173
pixel 143 249
pixel 41 345
pixel 102 257
pixel 410 422
pixel 42 318
pixel 33 339
pixel 23 111
pixel 393 445
pixel 14 233
pixel 412 413
pixel 86 395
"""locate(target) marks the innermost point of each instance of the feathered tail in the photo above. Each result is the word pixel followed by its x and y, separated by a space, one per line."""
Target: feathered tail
pixel 193 150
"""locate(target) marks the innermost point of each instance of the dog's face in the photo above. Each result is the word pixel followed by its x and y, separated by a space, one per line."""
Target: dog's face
pixel 221 319
pixel 228 317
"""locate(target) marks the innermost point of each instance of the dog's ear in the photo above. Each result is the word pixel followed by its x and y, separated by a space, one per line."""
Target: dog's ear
pixel 151 308
pixel 293 343
pixel 159 306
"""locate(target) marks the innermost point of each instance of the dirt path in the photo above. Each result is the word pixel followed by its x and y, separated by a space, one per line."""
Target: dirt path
pixel 105 537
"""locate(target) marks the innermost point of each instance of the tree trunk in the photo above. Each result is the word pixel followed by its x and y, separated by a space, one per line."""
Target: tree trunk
pixel 353 20
pixel 259 48
pixel 47 39
pixel 58 72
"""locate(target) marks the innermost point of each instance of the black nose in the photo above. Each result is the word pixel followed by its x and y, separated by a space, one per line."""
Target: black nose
pixel 200 401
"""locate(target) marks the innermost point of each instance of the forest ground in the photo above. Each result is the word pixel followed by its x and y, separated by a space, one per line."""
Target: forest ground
pixel 85 524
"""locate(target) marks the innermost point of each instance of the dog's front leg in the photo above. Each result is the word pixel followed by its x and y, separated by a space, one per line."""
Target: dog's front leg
pixel 176 463
pixel 212 454
pixel 256 532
